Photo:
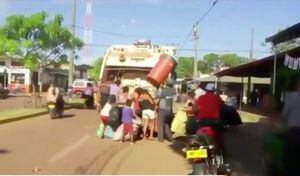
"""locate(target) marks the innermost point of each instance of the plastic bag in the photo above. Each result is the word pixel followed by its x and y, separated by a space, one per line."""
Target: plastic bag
pixel 109 133
pixel 179 123
pixel 119 133
pixel 100 130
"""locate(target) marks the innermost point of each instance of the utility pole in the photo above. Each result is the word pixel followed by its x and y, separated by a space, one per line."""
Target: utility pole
pixel 196 37
pixel 72 54
pixel 251 44
pixel 250 57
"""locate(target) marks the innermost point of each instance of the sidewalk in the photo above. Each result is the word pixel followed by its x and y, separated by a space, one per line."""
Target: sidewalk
pixel 20 113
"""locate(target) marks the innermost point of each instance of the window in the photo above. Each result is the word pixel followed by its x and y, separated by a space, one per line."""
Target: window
pixel 78 84
pixel 18 78
pixel 2 63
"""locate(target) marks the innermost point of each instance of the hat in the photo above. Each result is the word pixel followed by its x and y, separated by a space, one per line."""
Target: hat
pixel 210 87
pixel 170 83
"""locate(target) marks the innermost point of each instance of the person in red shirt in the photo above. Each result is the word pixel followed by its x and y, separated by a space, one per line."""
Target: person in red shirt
pixel 207 109
pixel 208 106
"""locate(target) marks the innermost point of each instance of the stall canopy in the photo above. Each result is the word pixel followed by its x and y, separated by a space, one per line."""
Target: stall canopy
pixel 290 33
pixel 262 68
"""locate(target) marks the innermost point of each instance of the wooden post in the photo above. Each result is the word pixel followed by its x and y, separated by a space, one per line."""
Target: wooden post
pixel 248 89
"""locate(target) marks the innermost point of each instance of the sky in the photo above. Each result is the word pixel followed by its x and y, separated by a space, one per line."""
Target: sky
pixel 225 29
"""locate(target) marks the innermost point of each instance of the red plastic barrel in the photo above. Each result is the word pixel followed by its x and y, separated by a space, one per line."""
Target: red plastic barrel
pixel 161 70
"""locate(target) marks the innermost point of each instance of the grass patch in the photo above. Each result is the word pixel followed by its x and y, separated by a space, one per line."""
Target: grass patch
pixel 20 112
pixel 76 103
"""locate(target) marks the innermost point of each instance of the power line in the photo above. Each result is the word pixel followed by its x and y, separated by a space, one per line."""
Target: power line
pixel 191 49
pixel 199 21
pixel 130 35
pixel 216 50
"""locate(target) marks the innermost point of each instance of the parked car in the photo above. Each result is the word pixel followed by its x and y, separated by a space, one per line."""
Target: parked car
pixel 80 84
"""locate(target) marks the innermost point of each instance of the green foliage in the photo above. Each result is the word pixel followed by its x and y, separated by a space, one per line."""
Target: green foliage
pixel 30 62
pixel 95 71
pixel 39 41
pixel 210 62
pixel 185 67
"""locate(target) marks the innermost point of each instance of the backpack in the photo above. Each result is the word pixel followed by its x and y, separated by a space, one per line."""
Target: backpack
pixel 114 119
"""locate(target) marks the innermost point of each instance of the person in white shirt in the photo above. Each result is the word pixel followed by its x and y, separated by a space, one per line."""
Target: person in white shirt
pixel 104 113
pixel 198 90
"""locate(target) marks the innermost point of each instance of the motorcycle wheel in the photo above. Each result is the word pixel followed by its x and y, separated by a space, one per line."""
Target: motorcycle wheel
pixel 52 114
pixel 200 169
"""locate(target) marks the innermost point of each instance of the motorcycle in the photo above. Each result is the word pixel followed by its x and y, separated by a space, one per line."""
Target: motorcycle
pixel 204 150
pixel 54 111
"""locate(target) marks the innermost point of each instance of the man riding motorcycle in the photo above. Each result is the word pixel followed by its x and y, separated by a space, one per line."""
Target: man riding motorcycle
pixel 208 106
pixel 207 110
pixel 54 96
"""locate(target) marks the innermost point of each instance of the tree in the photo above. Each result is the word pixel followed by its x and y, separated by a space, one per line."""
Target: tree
pixel 185 67
pixel 95 71
pixel 39 42
pixel 215 62
pixel 210 63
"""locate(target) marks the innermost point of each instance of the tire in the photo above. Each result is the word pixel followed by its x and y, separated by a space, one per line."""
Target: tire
pixel 200 169
pixel 52 114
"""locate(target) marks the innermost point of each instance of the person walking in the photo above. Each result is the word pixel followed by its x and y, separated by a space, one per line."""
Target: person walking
pixel 89 95
pixel 165 95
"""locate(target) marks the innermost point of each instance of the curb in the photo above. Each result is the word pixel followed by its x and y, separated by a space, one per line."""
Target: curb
pixel 32 115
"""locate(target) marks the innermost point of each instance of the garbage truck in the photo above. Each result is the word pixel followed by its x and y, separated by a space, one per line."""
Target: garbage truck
pixel 131 64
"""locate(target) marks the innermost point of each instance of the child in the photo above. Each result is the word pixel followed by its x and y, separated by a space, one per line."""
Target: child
pixel 104 114
pixel 127 120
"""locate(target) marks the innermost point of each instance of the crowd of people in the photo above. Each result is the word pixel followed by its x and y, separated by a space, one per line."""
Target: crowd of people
pixel 152 113
pixel 155 112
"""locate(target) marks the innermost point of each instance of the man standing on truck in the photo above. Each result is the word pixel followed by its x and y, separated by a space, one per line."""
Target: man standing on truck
pixel 115 88
pixel 165 95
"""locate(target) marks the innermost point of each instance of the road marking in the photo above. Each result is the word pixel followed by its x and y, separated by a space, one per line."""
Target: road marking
pixel 68 149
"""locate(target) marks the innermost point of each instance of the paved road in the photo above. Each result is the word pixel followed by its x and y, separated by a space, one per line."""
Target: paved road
pixel 70 146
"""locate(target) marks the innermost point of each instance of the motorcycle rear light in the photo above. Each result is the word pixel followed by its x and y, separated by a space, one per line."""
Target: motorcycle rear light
pixel 198 160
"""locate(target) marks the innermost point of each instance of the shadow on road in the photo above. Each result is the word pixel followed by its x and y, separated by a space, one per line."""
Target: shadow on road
pixel 68 116
pixel 4 151
pixel 243 147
